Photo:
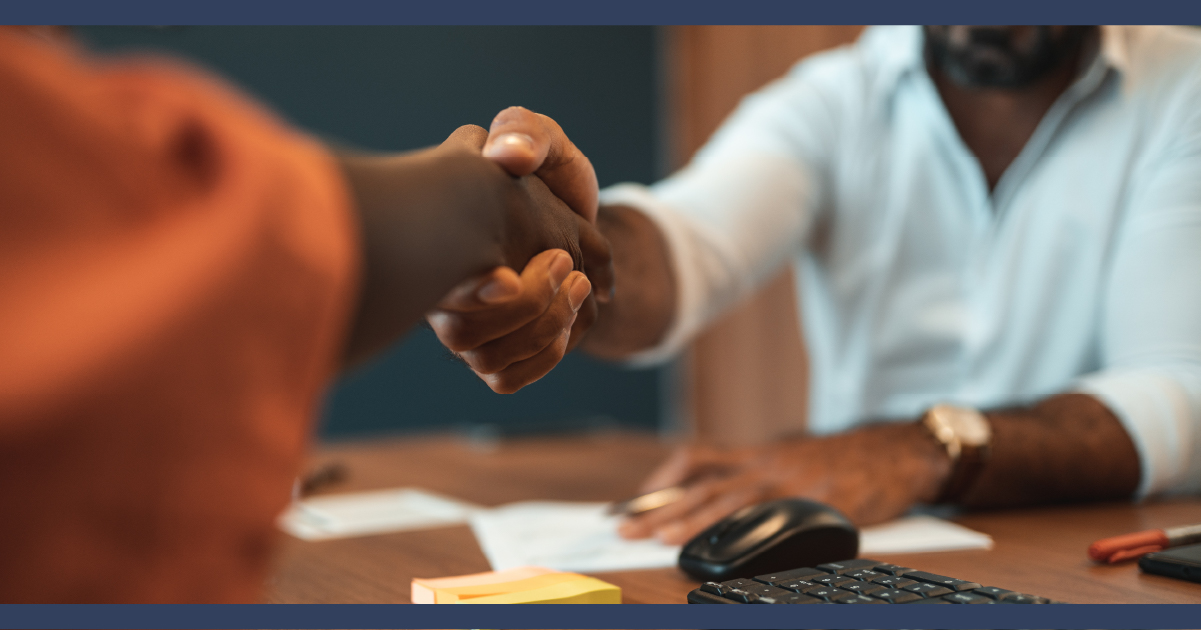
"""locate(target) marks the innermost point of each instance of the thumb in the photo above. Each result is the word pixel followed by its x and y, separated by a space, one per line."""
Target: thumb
pixel 524 143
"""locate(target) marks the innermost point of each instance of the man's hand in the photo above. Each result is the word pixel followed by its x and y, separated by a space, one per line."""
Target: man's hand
pixel 526 143
pixel 430 219
pixel 513 329
pixel 871 475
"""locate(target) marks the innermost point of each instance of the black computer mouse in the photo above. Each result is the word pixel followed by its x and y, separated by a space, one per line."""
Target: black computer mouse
pixel 769 537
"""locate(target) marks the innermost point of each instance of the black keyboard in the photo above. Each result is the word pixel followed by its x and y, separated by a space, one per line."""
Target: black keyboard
pixel 859 581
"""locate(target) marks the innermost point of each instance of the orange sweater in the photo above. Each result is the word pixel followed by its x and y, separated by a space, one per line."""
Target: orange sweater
pixel 176 274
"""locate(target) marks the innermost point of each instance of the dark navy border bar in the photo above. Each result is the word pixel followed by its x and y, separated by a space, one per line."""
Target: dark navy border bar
pixel 599 12
pixel 302 616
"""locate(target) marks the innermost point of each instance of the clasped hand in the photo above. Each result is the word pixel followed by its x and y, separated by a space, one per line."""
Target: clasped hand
pixel 512 328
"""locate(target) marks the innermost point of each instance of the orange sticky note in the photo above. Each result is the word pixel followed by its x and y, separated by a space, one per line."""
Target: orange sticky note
pixel 525 585
pixel 423 588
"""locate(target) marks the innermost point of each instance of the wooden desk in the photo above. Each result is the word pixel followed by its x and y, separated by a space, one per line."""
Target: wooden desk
pixel 1040 550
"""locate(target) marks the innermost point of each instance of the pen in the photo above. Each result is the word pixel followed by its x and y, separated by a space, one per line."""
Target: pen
pixel 326 475
pixel 647 502
pixel 1131 546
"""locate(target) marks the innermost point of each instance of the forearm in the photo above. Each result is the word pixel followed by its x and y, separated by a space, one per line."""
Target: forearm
pixel 644 303
pixel 1068 447
pixel 428 221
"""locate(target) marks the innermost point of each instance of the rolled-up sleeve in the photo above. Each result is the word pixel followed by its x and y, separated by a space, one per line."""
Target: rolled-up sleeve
pixel 1151 338
pixel 743 205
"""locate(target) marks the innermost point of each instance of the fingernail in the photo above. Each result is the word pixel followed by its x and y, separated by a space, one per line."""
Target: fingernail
pixel 579 292
pixel 496 291
pixel 629 530
pixel 512 142
pixel 559 268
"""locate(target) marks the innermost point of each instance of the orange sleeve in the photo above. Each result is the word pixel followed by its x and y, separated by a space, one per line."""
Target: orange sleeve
pixel 176 276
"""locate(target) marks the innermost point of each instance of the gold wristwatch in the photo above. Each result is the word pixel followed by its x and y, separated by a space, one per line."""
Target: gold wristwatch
pixel 965 434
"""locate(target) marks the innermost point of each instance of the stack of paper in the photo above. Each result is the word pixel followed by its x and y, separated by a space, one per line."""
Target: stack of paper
pixel 912 534
pixel 564 536
pixel 524 585
pixel 377 512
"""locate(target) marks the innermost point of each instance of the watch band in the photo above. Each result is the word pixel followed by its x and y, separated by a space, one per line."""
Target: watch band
pixel 964 473
pixel 965 434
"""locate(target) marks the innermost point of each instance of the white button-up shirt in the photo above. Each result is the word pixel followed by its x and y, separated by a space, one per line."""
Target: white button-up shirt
pixel 1080 271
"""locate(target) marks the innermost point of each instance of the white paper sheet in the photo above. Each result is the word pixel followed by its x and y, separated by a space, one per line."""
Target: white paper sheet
pixel 911 534
pixel 376 512
pixel 580 537
pixel 575 537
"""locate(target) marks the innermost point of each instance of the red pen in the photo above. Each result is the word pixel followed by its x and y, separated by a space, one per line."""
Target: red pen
pixel 1131 546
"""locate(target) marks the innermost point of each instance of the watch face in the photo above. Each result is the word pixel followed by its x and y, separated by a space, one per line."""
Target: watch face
pixel 970 426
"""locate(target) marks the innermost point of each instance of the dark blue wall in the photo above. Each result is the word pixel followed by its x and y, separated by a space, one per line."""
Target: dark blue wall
pixel 394 88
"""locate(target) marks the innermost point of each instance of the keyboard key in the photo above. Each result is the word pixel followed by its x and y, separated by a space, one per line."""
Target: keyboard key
pixel 766 590
pixel 927 590
pixel 791 598
pixel 893 581
pixel 848 565
pixel 789 576
pixel 1022 598
pixel 715 588
pixel 740 595
pixel 798 586
pixel 942 580
pixel 830 580
pixel 867 575
pixel 838 598
pixel 826 592
pixel 892 569
pixel 967 598
pixel 863 588
pixel 932 600
pixel 993 592
pixel 860 599
pixel 896 596
pixel 739 583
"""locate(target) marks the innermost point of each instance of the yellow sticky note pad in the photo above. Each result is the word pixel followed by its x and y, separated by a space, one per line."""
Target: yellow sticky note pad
pixel 527 585
pixel 425 589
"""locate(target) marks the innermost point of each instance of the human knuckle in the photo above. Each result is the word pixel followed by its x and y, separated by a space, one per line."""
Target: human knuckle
pixel 492 361
pixel 512 112
pixel 470 129
pixel 505 383
pixel 461 336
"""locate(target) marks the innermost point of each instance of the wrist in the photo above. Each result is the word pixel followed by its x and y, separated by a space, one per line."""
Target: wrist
pixel 965 435
pixel 932 465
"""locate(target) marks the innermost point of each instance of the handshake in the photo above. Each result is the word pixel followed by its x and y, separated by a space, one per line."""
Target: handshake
pixel 512 328
pixel 497 231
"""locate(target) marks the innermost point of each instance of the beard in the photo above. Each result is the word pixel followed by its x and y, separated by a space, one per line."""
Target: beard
pixel 996 57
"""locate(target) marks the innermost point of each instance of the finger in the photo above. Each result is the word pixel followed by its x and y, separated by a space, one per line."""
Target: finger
pixel 598 261
pixel 685 463
pixel 499 285
pixel 524 143
pixel 522 373
pixel 733 496
pixel 585 317
pixel 532 338
pixel 540 282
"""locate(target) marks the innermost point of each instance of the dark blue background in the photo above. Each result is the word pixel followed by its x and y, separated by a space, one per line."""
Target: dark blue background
pixel 594 616
pixel 395 88
pixel 607 12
